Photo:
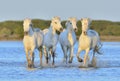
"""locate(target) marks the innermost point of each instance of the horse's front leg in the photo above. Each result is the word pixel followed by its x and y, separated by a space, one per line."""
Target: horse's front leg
pixel 65 54
pixel 71 54
pixel 78 54
pixel 28 58
pixel 86 58
pixel 94 60
pixel 31 61
pixel 40 55
pixel 45 52
pixel 53 55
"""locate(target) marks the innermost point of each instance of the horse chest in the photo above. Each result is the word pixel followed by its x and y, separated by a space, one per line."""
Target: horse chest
pixel 28 42
pixel 70 39
pixel 84 42
pixel 50 40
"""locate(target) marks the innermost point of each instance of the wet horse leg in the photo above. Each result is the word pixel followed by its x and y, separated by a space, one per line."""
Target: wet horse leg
pixel 31 59
pixel 86 58
pixel 78 53
pixel 71 54
pixel 65 54
pixel 27 57
pixel 40 55
pixel 45 51
pixel 53 56
pixel 94 59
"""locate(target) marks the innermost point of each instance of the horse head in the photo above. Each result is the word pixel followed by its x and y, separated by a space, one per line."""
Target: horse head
pixel 71 24
pixel 26 25
pixel 85 24
pixel 56 24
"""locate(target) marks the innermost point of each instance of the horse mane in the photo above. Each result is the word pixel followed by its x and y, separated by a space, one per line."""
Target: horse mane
pixel 56 17
pixel 72 19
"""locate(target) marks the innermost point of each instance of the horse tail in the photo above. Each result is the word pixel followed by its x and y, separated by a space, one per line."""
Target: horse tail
pixel 98 47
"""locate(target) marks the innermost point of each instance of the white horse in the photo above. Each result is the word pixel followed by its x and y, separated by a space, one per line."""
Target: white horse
pixel 45 30
pixel 51 38
pixel 33 39
pixel 68 38
pixel 88 40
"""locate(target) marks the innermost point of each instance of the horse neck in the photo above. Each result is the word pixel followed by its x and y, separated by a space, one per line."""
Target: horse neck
pixel 70 30
pixel 84 27
pixel 52 31
pixel 31 31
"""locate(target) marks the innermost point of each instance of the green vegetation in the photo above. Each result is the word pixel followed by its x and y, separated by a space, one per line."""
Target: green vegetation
pixel 14 29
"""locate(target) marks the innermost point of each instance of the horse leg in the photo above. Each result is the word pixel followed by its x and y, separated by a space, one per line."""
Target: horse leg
pixel 45 51
pixel 40 55
pixel 49 53
pixel 71 55
pixel 94 60
pixel 31 58
pixel 78 54
pixel 86 58
pixel 53 56
pixel 65 54
pixel 27 57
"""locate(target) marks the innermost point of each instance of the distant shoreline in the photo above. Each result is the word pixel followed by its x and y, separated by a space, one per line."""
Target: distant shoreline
pixel 110 38
pixel 102 38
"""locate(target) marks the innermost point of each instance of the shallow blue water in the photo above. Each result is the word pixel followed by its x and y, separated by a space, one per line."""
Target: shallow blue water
pixel 13 65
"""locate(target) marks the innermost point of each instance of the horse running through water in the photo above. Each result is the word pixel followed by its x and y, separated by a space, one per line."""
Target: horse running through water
pixel 33 39
pixel 51 38
pixel 88 40
pixel 68 38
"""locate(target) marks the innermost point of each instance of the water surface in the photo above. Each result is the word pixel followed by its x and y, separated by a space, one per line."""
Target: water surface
pixel 13 65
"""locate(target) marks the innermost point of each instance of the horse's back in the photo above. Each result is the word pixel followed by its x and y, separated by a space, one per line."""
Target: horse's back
pixel 94 37
pixel 45 31
pixel 50 40
pixel 38 38
pixel 92 33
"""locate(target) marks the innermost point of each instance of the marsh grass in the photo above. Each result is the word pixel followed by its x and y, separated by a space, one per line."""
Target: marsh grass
pixel 14 29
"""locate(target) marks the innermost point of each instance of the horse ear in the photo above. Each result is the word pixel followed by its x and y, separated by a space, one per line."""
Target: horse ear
pixel 81 19
pixel 90 20
pixel 67 22
pixel 56 17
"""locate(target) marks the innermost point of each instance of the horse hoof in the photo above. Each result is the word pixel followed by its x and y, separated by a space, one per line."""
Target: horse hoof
pixel 70 61
pixel 82 66
pixel 30 66
pixel 80 60
pixel 52 64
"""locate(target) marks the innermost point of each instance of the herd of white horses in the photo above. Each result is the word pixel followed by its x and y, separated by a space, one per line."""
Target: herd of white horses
pixel 46 41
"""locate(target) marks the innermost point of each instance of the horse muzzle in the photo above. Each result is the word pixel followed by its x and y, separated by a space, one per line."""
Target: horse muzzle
pixel 85 33
pixel 25 33
pixel 76 30
pixel 61 29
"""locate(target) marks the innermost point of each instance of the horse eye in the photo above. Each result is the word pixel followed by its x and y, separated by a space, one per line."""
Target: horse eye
pixel 31 25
